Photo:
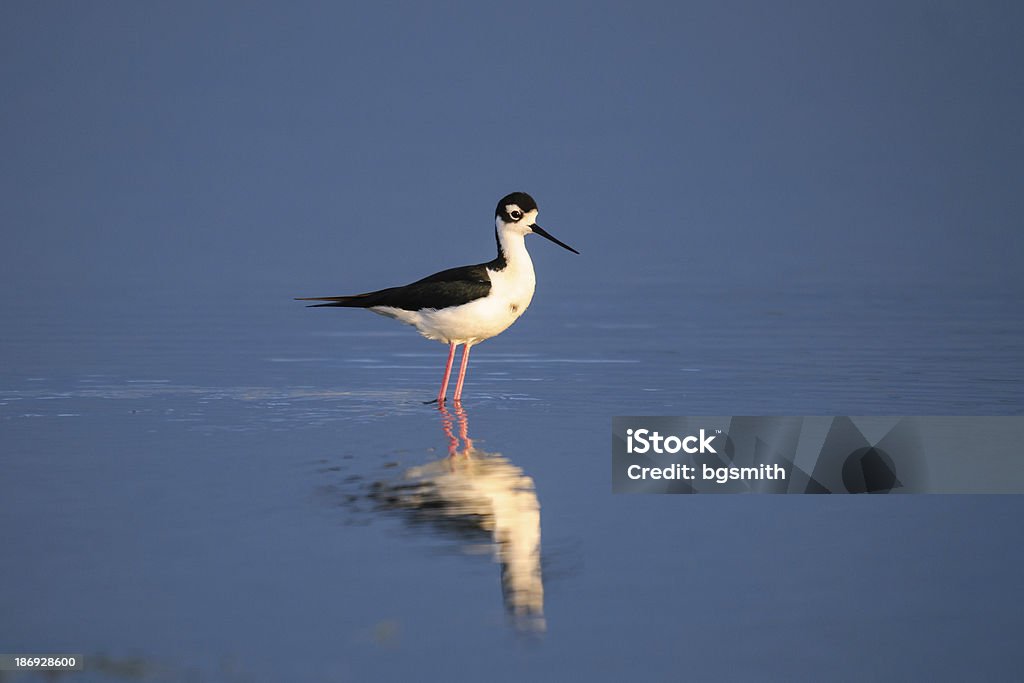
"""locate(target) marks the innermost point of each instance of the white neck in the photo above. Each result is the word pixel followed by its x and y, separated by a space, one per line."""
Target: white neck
pixel 513 246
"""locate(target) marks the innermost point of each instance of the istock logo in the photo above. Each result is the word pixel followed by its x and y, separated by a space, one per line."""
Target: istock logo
pixel 793 454
pixel 647 441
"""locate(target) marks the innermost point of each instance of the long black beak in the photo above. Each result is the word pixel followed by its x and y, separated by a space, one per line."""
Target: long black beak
pixel 544 233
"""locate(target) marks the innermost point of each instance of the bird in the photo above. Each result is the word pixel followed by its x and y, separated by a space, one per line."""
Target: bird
pixel 469 304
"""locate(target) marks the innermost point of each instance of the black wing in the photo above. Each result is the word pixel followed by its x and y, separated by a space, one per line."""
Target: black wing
pixel 452 287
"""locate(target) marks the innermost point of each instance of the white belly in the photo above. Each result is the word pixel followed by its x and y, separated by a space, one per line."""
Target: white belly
pixel 510 295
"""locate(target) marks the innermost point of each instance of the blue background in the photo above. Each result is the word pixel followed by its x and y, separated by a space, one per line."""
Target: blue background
pixel 807 208
pixel 164 149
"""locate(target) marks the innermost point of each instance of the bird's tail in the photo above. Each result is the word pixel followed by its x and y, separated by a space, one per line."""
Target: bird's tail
pixel 355 301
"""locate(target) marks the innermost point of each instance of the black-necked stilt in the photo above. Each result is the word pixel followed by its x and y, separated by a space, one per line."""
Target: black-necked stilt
pixel 469 304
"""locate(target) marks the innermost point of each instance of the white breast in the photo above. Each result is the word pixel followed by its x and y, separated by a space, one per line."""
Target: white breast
pixel 511 292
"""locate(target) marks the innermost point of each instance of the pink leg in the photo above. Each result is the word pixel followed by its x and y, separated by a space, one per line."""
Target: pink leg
pixel 447 373
pixel 464 427
pixel 446 425
pixel 462 373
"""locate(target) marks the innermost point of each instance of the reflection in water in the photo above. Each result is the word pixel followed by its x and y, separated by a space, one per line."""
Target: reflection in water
pixel 473 490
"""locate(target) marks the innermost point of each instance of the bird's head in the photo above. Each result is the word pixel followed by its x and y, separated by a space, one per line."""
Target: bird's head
pixel 517 214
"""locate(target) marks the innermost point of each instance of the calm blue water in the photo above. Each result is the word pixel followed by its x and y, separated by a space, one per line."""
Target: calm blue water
pixel 256 492
pixel 781 208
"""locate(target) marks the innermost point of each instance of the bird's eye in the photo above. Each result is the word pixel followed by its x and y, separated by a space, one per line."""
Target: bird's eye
pixel 516 214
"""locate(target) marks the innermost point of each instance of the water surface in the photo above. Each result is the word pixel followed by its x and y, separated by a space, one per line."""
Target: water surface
pixel 260 492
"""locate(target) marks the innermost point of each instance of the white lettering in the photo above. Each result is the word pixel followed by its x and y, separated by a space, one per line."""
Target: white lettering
pixel 643 441
pixel 722 475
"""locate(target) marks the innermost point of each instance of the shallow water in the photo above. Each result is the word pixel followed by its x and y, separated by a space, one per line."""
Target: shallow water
pixel 260 493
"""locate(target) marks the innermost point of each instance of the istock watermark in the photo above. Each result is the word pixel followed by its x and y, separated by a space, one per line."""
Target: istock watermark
pixel 647 440
pixel 784 454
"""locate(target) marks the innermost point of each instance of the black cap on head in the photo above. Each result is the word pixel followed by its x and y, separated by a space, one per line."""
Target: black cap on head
pixel 521 199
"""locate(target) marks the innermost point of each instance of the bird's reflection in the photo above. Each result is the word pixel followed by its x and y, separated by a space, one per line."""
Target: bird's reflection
pixel 473 489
